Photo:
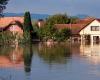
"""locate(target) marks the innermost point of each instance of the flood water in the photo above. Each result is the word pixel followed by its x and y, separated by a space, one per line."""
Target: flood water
pixel 50 62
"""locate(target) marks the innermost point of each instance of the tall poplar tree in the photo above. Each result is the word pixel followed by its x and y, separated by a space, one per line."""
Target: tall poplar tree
pixel 27 22
pixel 28 28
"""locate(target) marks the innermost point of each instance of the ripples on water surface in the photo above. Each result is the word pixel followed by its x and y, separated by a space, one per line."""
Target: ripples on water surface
pixel 56 62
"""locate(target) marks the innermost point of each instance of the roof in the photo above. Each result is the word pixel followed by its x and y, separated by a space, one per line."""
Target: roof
pixel 77 27
pixel 85 21
pixel 4 21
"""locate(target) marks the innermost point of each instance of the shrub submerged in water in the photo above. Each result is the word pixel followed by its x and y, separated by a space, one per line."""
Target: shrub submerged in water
pixel 8 37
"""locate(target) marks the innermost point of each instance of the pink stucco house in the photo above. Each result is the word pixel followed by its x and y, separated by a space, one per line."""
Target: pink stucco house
pixel 13 24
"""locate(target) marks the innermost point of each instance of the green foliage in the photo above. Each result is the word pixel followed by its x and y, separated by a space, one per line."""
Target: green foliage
pixel 66 33
pixel 60 19
pixel 25 38
pixel 50 32
pixel 28 27
pixel 62 35
pixel 7 37
pixel 47 32
pixel 57 19
pixel 2 6
pixel 73 20
pixel 54 34
pixel 27 22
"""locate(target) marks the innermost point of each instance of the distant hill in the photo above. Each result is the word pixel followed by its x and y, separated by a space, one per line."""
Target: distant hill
pixel 40 16
pixel 34 16
pixel 81 16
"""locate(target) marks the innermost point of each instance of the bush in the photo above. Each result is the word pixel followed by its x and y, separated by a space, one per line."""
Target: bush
pixel 25 38
pixel 62 35
pixel 7 37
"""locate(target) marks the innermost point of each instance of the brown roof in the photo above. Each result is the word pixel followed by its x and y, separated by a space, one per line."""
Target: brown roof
pixel 85 21
pixel 76 28
pixel 5 21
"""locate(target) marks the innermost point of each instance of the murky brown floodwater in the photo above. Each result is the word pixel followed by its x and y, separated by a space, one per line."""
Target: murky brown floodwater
pixel 46 62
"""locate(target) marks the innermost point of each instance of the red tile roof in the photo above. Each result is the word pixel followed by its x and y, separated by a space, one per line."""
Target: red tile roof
pixel 76 28
pixel 5 21
pixel 85 21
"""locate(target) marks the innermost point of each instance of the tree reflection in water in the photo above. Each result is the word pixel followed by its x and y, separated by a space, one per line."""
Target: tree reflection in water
pixel 28 53
pixel 59 53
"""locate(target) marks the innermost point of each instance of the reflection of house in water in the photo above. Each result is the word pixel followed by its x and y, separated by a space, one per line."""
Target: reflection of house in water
pixel 13 58
pixel 91 51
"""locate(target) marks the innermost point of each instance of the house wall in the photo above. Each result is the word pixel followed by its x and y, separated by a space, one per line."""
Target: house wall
pixel 87 30
pixel 15 28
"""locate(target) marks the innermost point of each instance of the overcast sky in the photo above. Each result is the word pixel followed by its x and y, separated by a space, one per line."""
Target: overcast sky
pixel 72 7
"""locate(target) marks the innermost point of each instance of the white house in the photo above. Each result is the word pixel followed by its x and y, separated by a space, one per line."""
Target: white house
pixel 91 31
pixel 84 29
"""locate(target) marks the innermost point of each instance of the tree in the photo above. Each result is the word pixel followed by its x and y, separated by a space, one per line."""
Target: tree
pixel 66 33
pixel 27 22
pixel 73 20
pixel 28 28
pixel 47 32
pixel 62 35
pixel 57 19
pixel 3 6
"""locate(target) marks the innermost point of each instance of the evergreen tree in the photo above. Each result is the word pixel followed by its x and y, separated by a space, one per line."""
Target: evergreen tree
pixel 28 28
pixel 2 6
pixel 27 22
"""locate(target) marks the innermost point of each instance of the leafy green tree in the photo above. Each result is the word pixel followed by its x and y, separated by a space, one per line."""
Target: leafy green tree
pixel 66 33
pixel 57 19
pixel 47 32
pixel 3 6
pixel 62 35
pixel 73 20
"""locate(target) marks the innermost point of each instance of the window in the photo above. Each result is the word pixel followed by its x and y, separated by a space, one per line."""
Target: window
pixel 94 28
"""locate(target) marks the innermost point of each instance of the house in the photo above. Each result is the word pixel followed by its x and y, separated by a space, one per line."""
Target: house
pixel 40 23
pixel 13 24
pixel 84 29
